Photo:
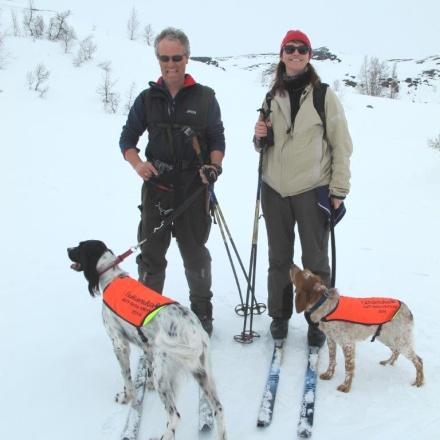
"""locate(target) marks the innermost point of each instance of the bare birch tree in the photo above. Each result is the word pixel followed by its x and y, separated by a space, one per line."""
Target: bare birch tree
pixel 32 22
pixel 133 25
pixel 37 79
pixel 372 75
pixel 109 97
pixel 3 54
pixel 87 49
pixel 59 30
pixel 148 34
pixel 16 31
pixel 130 98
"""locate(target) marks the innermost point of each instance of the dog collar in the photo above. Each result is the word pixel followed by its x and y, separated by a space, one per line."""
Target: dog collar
pixel 324 297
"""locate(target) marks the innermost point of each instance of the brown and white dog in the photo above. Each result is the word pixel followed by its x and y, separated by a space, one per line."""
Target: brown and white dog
pixel 321 304
pixel 173 341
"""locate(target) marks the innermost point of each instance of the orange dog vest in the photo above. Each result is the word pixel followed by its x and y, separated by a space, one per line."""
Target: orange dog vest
pixel 132 301
pixel 368 311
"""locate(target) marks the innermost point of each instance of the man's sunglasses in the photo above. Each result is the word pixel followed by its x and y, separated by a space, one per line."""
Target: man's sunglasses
pixel 166 58
pixel 291 49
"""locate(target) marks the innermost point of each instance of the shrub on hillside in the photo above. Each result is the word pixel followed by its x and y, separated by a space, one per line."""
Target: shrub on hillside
pixel 33 23
pixel 59 30
pixel 106 92
pixel 375 79
pixel 435 143
pixel 87 49
pixel 37 79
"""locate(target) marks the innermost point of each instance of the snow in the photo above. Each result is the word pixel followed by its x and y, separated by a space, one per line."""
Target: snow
pixel 63 180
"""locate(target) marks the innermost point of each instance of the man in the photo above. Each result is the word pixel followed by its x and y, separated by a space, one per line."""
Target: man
pixel 185 145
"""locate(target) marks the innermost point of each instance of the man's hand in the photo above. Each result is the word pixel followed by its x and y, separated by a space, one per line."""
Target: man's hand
pixel 146 170
pixel 209 173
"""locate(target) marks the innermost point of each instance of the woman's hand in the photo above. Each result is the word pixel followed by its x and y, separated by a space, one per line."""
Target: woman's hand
pixel 260 129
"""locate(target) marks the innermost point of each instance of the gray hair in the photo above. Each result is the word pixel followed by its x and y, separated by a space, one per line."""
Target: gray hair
pixel 171 33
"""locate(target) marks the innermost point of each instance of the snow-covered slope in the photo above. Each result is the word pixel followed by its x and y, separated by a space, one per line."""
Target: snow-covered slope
pixel 63 180
pixel 418 79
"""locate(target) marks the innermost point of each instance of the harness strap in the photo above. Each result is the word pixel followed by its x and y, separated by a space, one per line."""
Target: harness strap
pixel 142 336
pixel 377 333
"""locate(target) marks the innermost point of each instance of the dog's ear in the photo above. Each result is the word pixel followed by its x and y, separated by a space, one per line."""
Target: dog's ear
pixel 88 264
pixel 300 300
pixel 294 270
pixel 90 252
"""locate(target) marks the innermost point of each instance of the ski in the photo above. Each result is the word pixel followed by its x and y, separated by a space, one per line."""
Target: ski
pixel 270 390
pixel 206 417
pixel 133 422
pixel 305 422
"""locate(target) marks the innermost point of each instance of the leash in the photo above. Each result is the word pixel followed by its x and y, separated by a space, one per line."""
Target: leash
pixel 165 222
pixel 333 244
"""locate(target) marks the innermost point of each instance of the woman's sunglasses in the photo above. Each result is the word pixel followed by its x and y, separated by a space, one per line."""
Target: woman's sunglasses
pixel 291 49
pixel 166 58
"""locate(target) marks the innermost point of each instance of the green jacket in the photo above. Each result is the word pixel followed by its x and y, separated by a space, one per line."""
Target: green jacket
pixel 301 159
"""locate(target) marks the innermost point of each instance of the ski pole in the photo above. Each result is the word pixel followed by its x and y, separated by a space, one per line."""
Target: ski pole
pixel 240 309
pixel 247 335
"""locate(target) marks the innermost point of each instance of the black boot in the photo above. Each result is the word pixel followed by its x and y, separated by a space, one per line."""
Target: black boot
pixel 279 328
pixel 203 310
pixel 315 337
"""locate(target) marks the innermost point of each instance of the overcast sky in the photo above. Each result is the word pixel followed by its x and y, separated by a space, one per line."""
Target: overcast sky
pixel 384 28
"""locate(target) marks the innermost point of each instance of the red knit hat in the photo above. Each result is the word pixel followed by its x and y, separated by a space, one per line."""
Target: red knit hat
pixel 295 35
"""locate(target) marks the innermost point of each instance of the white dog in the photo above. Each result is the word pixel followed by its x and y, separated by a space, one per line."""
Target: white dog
pixel 171 336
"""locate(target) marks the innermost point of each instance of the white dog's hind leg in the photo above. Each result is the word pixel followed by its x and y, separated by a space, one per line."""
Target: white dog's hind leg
pixel 410 354
pixel 122 352
pixel 203 376
pixel 149 383
pixel 392 359
pixel 165 384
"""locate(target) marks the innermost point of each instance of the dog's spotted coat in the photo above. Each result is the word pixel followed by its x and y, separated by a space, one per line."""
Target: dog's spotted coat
pixel 395 334
pixel 173 342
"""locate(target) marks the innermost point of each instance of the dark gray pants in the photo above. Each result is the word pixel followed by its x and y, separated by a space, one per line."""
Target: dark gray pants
pixel 191 230
pixel 281 215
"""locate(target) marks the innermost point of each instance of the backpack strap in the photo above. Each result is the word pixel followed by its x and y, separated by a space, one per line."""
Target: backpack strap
pixel 319 104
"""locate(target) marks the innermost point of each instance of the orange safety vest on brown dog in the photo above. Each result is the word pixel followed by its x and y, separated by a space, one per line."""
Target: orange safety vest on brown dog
pixel 367 311
pixel 132 301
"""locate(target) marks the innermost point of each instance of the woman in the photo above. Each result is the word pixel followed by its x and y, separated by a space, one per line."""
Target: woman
pixel 301 159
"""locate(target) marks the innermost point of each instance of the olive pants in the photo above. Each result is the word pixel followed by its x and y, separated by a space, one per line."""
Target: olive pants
pixel 281 214
pixel 191 230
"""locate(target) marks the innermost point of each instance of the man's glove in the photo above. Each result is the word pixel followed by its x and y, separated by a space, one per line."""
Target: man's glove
pixel 211 172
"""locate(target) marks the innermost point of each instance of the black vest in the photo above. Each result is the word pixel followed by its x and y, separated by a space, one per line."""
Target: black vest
pixel 167 119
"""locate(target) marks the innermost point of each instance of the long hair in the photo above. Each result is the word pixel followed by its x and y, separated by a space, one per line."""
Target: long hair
pixel 278 82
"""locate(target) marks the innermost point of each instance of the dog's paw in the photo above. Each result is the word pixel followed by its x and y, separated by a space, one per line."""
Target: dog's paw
pixel 417 383
pixel 344 388
pixel 326 376
pixel 124 397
